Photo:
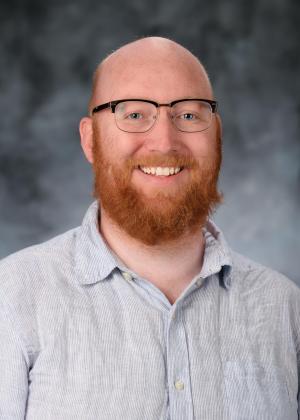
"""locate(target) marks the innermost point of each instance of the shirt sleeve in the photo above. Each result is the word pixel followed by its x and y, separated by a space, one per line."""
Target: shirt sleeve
pixel 299 384
pixel 297 335
pixel 13 372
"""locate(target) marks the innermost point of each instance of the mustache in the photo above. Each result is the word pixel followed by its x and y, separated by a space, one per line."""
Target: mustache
pixel 167 160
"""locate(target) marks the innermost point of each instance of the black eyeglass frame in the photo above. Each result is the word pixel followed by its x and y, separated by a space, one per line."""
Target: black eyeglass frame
pixel 112 105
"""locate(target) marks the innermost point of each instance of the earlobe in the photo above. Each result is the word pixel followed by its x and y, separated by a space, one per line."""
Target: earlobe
pixel 86 136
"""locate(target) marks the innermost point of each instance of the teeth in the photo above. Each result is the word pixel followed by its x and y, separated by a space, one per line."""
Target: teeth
pixel 159 171
pixel 162 171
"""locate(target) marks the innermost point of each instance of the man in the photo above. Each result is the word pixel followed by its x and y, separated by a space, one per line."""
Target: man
pixel 144 312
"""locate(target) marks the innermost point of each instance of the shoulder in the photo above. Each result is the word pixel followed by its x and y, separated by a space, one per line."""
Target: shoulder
pixel 58 246
pixel 29 269
pixel 266 294
pixel 250 276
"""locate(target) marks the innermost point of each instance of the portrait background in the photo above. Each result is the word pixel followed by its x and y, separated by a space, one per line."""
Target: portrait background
pixel 251 51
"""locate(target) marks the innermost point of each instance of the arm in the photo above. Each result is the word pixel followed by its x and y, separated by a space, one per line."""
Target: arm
pixel 13 372
pixel 299 385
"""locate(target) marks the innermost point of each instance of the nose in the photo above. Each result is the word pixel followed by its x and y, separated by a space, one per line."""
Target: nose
pixel 163 136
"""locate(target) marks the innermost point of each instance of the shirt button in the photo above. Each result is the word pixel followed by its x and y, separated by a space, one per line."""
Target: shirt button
pixel 199 282
pixel 127 276
pixel 228 281
pixel 179 385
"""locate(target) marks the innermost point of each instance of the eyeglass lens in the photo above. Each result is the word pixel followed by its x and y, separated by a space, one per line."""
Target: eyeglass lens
pixel 139 116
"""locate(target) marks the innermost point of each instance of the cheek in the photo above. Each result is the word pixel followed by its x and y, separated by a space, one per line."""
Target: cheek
pixel 203 148
pixel 118 144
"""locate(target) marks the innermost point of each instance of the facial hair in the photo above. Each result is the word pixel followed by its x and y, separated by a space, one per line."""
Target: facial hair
pixel 163 218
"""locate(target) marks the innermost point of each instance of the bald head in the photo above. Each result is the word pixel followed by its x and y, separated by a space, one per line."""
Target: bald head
pixel 146 60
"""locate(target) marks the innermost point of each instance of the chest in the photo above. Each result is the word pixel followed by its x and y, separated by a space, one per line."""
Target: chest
pixel 211 358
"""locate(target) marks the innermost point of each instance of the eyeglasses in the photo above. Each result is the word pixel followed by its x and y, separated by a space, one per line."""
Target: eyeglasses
pixel 139 115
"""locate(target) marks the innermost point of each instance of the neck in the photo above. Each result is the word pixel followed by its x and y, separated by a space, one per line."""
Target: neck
pixel 170 266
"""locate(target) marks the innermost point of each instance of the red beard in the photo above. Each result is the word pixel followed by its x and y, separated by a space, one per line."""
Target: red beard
pixel 163 218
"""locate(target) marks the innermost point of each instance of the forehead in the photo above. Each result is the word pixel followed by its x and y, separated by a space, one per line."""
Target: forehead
pixel 161 76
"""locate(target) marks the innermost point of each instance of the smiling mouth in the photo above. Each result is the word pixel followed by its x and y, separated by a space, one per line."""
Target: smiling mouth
pixel 160 171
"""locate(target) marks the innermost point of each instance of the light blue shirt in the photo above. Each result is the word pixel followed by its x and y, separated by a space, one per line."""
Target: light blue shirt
pixel 84 338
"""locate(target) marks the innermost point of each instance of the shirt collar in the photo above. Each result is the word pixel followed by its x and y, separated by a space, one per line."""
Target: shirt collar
pixel 94 261
pixel 217 255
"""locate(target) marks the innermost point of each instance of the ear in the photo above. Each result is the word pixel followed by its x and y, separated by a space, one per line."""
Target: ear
pixel 86 136
pixel 219 126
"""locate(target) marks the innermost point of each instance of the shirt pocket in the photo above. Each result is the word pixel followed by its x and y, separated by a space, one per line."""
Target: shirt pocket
pixel 253 391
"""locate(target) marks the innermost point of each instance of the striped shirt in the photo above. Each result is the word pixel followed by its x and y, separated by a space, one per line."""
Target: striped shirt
pixel 84 338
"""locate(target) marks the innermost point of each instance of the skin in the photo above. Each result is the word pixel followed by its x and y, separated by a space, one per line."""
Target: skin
pixel 163 71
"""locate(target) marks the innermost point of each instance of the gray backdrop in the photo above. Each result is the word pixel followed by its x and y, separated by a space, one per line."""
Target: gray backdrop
pixel 251 50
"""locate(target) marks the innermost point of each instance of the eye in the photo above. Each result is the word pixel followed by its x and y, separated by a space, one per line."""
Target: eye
pixel 188 116
pixel 134 116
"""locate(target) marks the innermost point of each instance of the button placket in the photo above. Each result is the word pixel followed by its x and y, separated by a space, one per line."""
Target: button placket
pixel 178 368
